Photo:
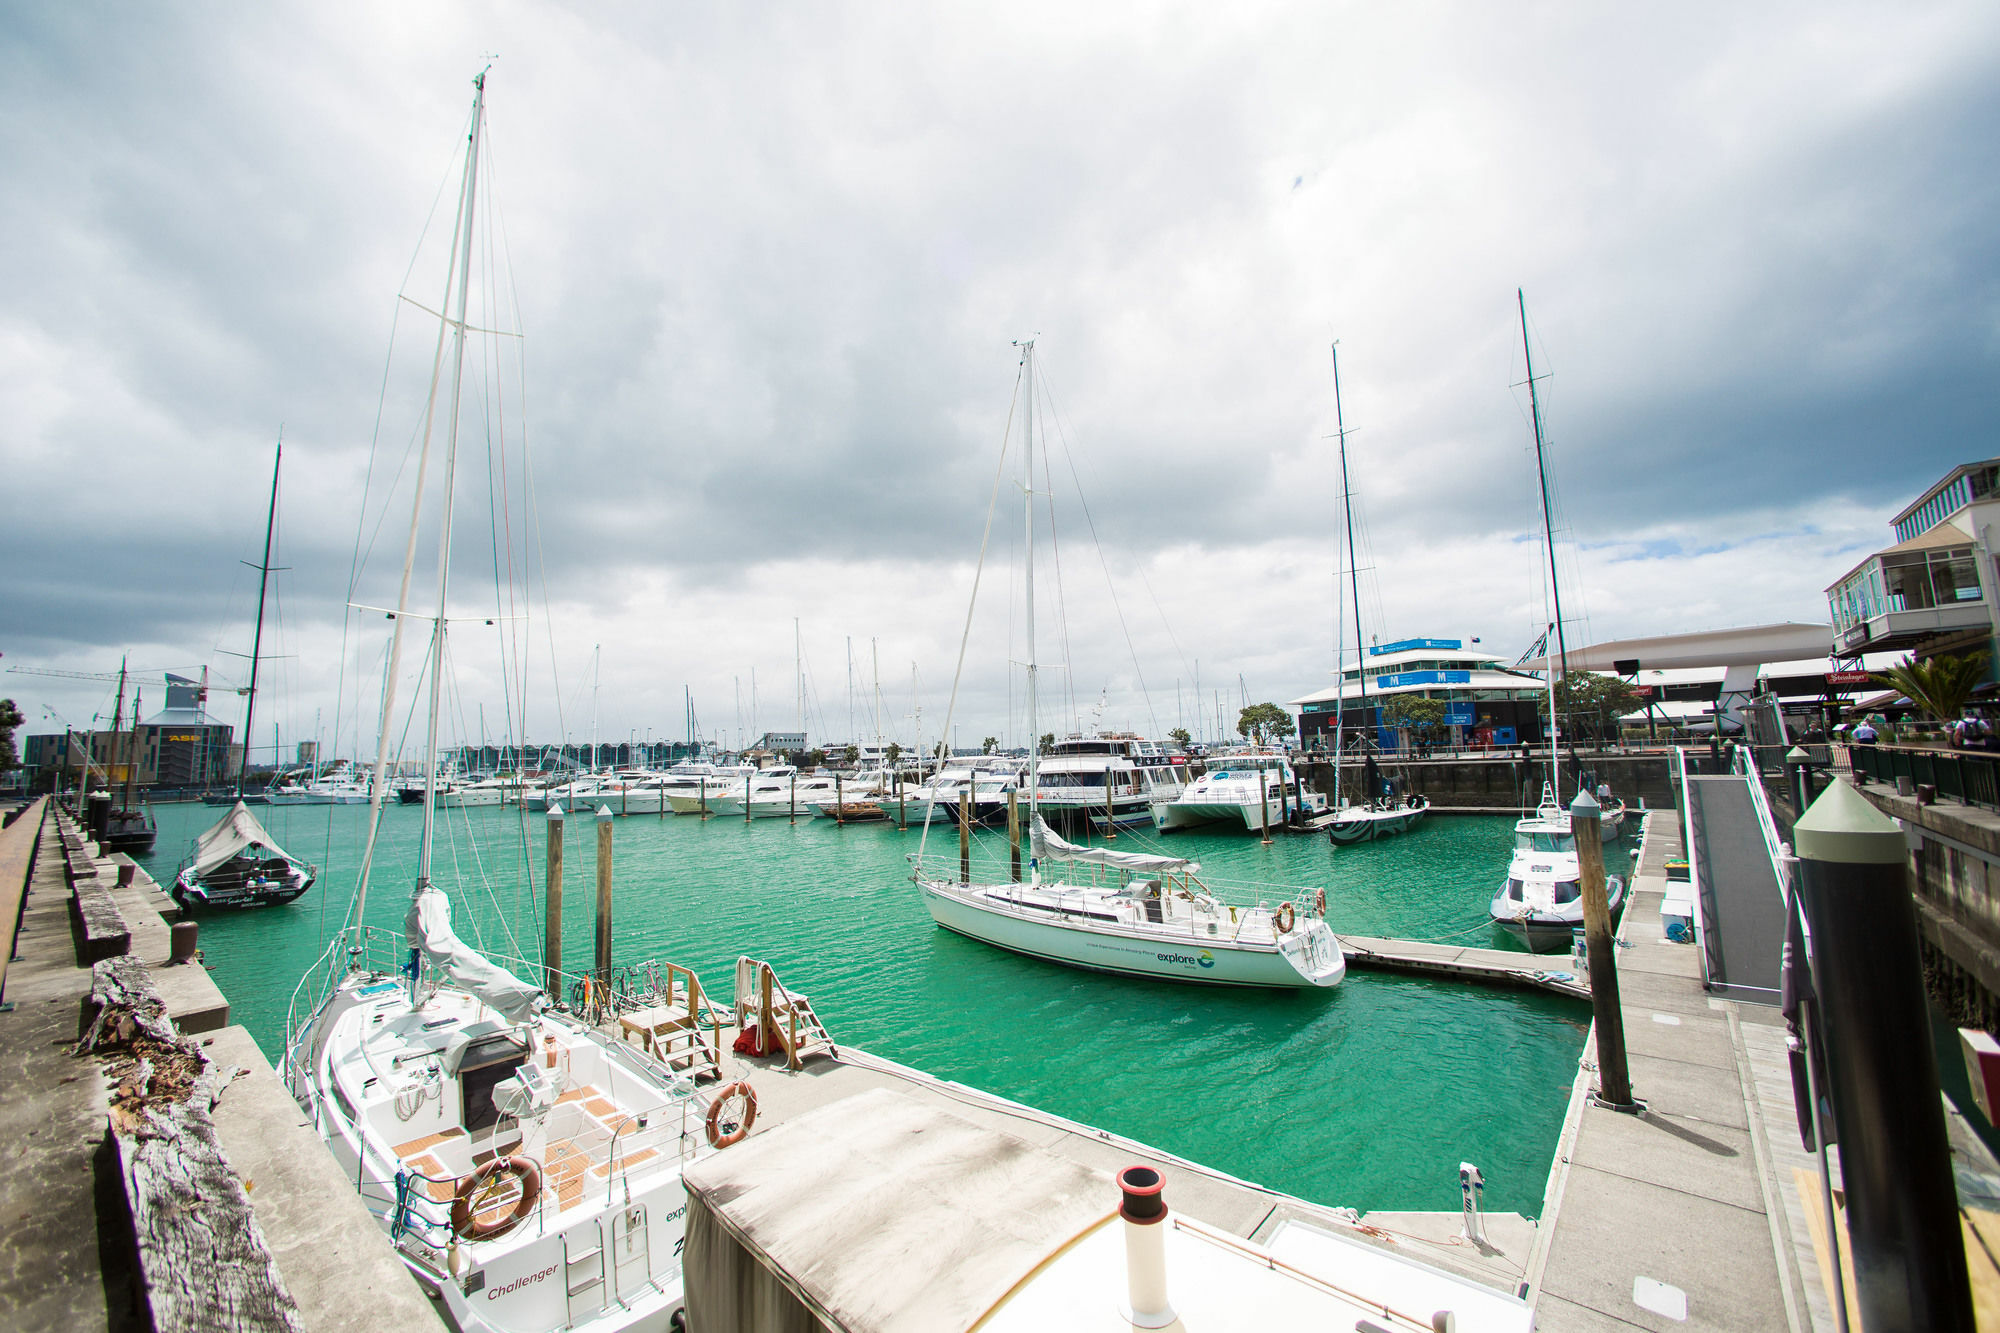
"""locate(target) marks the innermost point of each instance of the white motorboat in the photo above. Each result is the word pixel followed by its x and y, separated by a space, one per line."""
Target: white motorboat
pixel 1127 913
pixel 1541 902
pixel 1098 782
pixel 526 1166
pixel 1256 791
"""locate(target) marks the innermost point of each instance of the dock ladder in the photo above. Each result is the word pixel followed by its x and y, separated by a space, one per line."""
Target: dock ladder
pixel 676 1022
pixel 785 1019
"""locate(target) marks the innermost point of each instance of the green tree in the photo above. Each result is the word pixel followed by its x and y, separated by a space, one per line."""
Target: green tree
pixel 893 753
pixel 10 718
pixel 851 755
pixel 1940 686
pixel 1264 723
pixel 1592 704
pixel 1048 742
pixel 989 745
pixel 1180 737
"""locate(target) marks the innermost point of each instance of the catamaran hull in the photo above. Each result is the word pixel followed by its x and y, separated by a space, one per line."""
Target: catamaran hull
pixel 1207 961
pixel 1364 826
pixel 1174 815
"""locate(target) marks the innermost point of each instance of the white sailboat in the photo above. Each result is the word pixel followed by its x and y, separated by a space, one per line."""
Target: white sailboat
pixel 526 1166
pixel 1127 913
pixel 1378 815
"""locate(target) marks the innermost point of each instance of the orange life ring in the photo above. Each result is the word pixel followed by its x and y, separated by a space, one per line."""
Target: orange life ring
pixel 1284 919
pixel 465 1221
pixel 718 1136
pixel 1319 901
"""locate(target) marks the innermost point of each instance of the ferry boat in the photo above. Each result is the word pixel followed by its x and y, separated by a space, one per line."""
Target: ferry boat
pixel 1256 790
pixel 1107 781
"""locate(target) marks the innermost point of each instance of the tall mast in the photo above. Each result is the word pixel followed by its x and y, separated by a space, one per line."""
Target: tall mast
pixel 450 469
pixel 799 671
pixel 1353 572
pixel 1028 508
pixel 1549 537
pixel 132 758
pixel 257 638
pixel 392 661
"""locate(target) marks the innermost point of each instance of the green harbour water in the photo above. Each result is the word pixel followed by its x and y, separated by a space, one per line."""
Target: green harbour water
pixel 1366 1096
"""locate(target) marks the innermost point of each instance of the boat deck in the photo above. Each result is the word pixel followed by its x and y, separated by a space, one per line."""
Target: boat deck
pixel 1225 1202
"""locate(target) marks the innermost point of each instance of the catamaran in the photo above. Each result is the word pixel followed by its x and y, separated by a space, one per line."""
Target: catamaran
pixel 1108 910
pixel 1257 790
pixel 525 1165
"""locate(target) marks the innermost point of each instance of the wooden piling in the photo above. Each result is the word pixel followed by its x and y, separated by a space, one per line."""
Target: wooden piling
pixel 552 955
pixel 1614 1080
pixel 965 834
pixel 604 895
pixel 1014 831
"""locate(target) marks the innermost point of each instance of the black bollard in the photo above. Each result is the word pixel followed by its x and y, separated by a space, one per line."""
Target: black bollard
pixel 97 815
pixel 1902 1204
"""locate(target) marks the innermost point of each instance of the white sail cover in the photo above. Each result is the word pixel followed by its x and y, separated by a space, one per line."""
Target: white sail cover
pixel 428 927
pixel 1050 846
pixel 235 832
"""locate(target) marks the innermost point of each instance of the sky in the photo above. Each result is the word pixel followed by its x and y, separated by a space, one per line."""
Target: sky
pixel 756 276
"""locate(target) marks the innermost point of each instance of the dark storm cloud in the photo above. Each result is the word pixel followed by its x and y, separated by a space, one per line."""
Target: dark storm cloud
pixel 770 265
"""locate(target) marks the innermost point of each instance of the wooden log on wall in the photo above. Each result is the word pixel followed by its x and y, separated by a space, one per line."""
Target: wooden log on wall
pixel 204 1262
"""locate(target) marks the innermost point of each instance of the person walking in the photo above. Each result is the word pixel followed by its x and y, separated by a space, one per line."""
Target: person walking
pixel 1864 732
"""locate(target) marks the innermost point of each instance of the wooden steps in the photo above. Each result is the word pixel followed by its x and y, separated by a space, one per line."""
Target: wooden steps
pixel 784 1019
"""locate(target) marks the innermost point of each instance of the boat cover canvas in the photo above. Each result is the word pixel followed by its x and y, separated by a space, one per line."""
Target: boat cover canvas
pixel 234 833
pixel 1050 846
pixel 428 927
pixel 876 1214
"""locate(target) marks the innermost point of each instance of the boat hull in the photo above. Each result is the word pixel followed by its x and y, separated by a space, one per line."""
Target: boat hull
pixel 1366 825
pixel 1166 956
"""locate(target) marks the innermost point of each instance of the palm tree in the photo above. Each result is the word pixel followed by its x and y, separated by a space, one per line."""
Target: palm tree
pixel 1940 686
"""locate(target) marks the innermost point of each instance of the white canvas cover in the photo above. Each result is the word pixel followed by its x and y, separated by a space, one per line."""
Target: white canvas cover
pixel 428 927
pixel 1050 846
pixel 234 833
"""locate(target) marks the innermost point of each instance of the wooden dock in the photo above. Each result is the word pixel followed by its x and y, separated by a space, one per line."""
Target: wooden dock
pixel 1555 973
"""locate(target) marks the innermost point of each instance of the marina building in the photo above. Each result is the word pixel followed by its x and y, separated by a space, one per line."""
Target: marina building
pixel 179 746
pixel 1934 591
pixel 1485 702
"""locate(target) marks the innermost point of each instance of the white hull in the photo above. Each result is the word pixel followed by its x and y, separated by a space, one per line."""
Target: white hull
pixel 470 797
pixel 1365 825
pixel 1172 815
pixel 1309 956
pixel 1548 930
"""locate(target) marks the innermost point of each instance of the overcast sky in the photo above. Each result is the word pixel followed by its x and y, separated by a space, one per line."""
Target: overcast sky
pixel 770 263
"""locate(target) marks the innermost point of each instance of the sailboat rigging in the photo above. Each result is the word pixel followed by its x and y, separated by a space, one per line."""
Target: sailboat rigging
pixel 1126 913
pixel 237 863
pixel 1377 815
pixel 448 1088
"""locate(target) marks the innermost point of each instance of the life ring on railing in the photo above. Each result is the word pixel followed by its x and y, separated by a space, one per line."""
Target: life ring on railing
pixel 722 1133
pixel 465 1223
pixel 1319 901
pixel 1284 919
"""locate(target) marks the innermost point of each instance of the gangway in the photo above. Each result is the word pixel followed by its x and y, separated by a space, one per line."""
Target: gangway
pixel 1735 863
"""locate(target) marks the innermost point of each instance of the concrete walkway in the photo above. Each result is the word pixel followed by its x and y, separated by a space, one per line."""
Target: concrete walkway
pixel 1670 1219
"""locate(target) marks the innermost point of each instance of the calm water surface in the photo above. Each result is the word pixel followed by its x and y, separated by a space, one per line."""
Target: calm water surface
pixel 1367 1096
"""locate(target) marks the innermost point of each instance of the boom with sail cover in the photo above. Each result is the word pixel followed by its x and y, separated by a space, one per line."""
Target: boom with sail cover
pixel 1050 846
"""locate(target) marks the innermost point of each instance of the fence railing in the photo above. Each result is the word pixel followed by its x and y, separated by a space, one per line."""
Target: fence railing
pixel 1971 777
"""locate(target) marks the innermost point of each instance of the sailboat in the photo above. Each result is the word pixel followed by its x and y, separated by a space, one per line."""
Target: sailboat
pixel 1127 913
pixel 237 863
pixel 1540 902
pixel 526 1165
pixel 1378 814
pixel 129 826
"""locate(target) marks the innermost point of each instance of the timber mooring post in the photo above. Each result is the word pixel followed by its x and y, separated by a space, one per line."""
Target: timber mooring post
pixel 552 959
pixel 965 833
pixel 1902 1203
pixel 1014 831
pixel 1614 1080
pixel 604 895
